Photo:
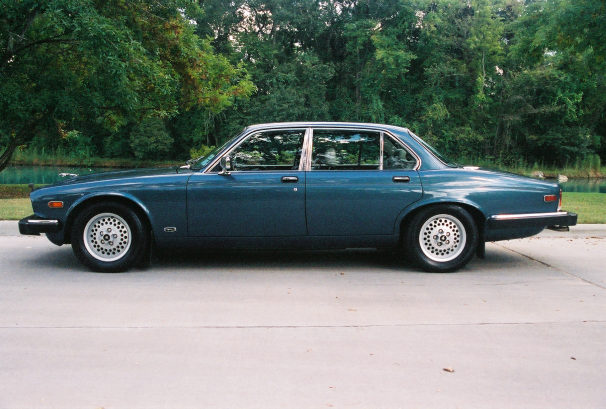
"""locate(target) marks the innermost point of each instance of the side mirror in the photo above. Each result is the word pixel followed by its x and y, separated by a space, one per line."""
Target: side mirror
pixel 225 165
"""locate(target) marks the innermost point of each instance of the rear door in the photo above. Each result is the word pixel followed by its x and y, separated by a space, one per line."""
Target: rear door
pixel 359 182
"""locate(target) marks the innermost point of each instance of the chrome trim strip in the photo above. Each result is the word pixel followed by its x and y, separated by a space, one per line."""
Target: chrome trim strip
pixel 527 216
pixel 381 142
pixel 43 221
pixel 303 162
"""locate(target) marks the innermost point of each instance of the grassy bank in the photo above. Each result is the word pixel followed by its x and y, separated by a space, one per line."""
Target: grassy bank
pixel 15 191
pixel 42 158
pixel 591 207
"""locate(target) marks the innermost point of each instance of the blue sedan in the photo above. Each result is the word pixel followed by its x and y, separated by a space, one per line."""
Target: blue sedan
pixel 299 185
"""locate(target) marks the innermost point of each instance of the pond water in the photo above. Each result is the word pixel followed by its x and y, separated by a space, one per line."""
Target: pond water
pixel 42 175
pixel 50 174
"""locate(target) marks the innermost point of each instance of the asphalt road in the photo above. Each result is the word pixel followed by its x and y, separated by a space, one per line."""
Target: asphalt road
pixel 524 328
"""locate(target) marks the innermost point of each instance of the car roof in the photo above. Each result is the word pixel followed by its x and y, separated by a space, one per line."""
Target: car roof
pixel 327 125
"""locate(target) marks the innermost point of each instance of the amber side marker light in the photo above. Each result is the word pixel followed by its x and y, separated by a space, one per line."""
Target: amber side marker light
pixel 55 204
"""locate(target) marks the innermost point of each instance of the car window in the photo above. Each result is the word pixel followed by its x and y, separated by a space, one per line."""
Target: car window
pixel 395 156
pixel 268 150
pixel 345 150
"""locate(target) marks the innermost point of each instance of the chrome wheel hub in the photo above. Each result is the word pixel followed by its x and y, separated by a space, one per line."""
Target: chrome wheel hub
pixel 442 237
pixel 107 237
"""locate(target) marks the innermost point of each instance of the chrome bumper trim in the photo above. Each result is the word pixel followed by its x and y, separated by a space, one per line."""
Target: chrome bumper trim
pixel 528 216
pixel 46 222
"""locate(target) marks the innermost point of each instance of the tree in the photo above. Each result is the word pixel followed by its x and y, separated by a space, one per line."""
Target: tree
pixel 97 66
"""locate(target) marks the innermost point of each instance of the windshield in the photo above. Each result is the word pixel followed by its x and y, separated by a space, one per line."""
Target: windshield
pixel 444 159
pixel 202 161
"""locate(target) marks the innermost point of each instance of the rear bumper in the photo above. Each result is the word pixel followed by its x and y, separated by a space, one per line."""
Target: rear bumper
pixel 532 220
pixel 33 225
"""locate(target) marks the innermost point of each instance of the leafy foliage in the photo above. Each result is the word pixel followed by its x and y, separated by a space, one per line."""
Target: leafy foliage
pixel 502 79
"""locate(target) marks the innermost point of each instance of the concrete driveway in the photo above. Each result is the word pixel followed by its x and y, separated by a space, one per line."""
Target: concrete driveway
pixel 524 328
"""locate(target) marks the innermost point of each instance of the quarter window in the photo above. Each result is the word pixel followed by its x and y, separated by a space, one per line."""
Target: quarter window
pixel 269 150
pixel 345 150
pixel 395 156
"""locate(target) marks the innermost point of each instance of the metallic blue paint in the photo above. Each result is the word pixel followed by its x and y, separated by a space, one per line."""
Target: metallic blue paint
pixel 246 204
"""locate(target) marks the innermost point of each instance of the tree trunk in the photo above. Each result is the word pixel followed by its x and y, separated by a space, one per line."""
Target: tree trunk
pixel 8 153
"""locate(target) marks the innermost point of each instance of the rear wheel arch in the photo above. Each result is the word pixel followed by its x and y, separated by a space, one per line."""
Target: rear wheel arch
pixel 478 217
pixel 441 237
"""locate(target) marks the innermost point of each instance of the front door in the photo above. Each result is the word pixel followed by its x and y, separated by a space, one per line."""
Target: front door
pixel 263 195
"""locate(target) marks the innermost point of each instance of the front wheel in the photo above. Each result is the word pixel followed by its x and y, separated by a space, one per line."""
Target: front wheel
pixel 441 238
pixel 109 237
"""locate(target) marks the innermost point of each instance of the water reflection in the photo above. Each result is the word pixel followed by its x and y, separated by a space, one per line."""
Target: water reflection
pixel 585 185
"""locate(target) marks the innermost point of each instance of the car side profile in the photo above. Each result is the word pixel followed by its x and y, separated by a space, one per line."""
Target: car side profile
pixel 299 185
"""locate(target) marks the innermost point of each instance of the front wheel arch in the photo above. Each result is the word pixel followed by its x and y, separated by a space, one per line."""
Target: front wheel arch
pixel 125 243
pixel 84 204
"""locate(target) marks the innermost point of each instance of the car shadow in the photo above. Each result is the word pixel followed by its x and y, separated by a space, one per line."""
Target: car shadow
pixel 273 259
pixel 63 259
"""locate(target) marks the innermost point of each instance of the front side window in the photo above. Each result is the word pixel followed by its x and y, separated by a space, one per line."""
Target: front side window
pixel 269 150
pixel 345 150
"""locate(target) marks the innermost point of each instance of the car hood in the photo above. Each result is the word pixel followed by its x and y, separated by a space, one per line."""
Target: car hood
pixel 118 175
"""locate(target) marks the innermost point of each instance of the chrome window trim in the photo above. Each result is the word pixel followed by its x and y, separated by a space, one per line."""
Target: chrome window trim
pixel 233 146
pixel 527 216
pixel 381 144
pixel 305 161
pixel 305 151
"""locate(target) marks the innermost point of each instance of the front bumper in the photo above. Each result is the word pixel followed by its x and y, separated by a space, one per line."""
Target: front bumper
pixel 33 225
pixel 532 220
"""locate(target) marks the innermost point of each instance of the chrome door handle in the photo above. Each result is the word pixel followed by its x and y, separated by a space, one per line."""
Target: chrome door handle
pixel 290 179
pixel 401 179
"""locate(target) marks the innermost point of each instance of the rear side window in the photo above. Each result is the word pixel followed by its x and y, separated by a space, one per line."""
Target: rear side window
pixel 345 150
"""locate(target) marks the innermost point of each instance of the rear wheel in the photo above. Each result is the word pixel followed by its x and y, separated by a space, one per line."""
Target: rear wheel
pixel 441 238
pixel 109 237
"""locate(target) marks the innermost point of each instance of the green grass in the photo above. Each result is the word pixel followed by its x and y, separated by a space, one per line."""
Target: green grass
pixel 15 209
pixel 591 207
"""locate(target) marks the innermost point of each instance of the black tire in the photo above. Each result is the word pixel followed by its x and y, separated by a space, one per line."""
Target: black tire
pixel 116 238
pixel 441 238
